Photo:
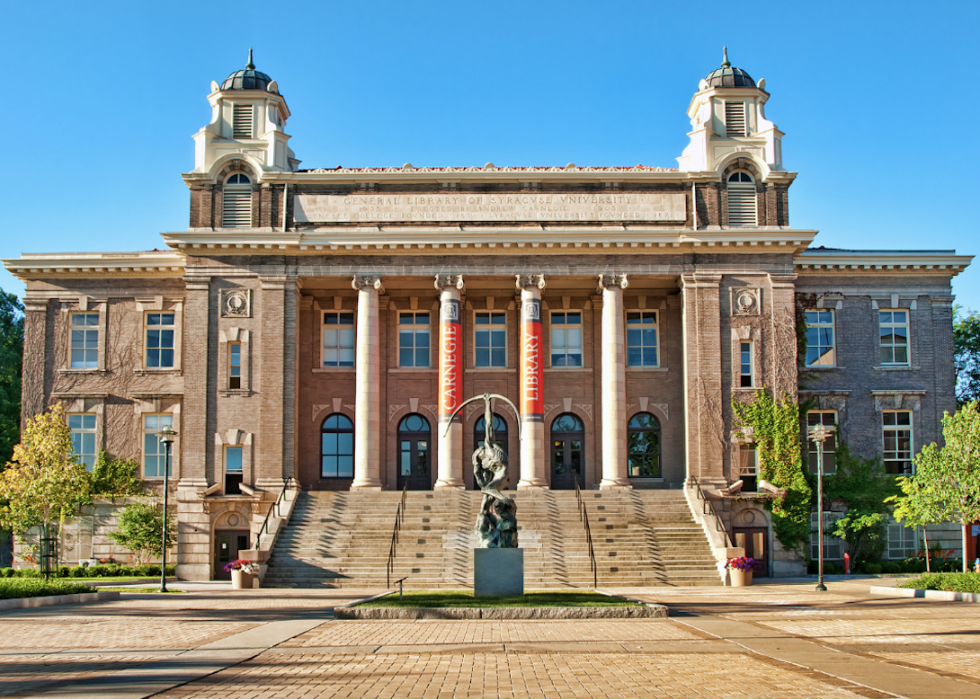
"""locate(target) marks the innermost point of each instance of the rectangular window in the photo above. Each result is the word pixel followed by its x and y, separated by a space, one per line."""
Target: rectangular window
pixel 893 334
pixel 338 339
pixel 233 470
pixel 827 418
pixel 159 340
pixel 641 338
pixel 413 340
pixel 748 467
pixel 82 426
pixel 820 338
pixel 833 547
pixel 154 452
pixel 84 341
pixel 241 126
pixel 735 118
pixel 745 364
pixel 902 541
pixel 234 365
pixel 566 339
pixel 491 339
pixel 897 427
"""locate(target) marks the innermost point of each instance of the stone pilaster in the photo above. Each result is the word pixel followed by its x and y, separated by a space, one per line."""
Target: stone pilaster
pixel 782 360
pixel 703 405
pixel 450 438
pixel 614 449
pixel 531 383
pixel 367 386
pixel 34 392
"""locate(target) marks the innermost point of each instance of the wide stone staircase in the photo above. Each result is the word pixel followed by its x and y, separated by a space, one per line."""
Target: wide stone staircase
pixel 342 539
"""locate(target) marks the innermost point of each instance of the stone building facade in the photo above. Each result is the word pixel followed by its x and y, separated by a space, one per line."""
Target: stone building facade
pixel 315 328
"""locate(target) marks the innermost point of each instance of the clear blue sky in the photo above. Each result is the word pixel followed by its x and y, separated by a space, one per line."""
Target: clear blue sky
pixel 878 100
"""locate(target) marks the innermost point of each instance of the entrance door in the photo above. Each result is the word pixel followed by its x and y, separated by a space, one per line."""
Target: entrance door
pixel 567 452
pixel 753 540
pixel 414 454
pixel 227 544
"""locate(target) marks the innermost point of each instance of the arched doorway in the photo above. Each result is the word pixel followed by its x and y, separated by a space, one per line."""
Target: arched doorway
pixel 500 437
pixel 414 455
pixel 643 440
pixel 231 537
pixel 567 452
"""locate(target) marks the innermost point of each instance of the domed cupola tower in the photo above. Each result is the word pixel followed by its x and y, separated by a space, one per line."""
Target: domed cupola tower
pixel 728 121
pixel 247 124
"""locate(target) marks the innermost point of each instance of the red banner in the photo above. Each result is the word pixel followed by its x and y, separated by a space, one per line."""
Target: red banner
pixel 450 357
pixel 532 360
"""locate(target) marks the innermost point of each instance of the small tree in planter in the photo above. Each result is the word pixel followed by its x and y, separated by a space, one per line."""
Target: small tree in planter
pixel 140 530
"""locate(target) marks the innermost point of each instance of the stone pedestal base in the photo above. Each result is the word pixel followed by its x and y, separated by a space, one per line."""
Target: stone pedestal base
pixel 498 572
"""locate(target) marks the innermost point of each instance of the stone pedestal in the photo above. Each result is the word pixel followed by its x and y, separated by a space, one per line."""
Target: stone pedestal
pixel 498 572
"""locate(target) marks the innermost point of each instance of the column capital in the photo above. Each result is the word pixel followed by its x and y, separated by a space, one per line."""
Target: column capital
pixel 360 282
pixel 700 279
pixel 449 281
pixel 530 281
pixel 613 281
pixel 197 282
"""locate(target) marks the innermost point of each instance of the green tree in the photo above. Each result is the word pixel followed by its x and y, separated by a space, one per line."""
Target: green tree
pixel 776 431
pixel 951 473
pixel 140 529
pixel 44 483
pixel 966 355
pixel 863 487
pixel 113 477
pixel 917 506
pixel 11 361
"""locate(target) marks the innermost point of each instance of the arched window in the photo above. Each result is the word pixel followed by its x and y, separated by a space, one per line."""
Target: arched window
pixel 337 447
pixel 741 200
pixel 414 455
pixel 567 452
pixel 236 202
pixel 499 432
pixel 643 438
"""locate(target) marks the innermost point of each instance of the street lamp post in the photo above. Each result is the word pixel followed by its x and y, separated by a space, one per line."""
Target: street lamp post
pixel 819 434
pixel 166 436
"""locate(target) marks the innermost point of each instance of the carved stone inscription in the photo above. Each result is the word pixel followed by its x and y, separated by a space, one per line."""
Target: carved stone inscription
pixel 353 208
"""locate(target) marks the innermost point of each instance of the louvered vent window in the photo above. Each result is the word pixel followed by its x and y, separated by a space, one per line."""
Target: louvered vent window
pixel 741 200
pixel 735 118
pixel 241 121
pixel 236 206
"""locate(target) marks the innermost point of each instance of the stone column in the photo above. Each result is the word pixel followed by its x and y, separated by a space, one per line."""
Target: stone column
pixel 614 450
pixel 367 386
pixel 531 383
pixel 703 405
pixel 450 441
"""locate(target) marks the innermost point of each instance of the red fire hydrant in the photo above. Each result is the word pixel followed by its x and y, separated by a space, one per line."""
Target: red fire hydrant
pixel 847 564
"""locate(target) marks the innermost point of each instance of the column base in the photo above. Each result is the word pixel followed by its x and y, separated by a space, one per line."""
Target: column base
pixel 615 484
pixel 449 484
pixel 366 485
pixel 532 484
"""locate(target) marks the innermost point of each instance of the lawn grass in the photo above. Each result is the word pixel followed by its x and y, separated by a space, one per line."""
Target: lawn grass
pixel 458 598
pixel 16 588
pixel 140 590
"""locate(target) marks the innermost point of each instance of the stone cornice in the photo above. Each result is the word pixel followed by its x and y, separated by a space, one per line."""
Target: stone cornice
pixel 166 263
pixel 465 239
pixel 903 262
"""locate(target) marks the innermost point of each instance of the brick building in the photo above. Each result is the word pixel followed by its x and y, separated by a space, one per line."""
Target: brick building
pixel 317 327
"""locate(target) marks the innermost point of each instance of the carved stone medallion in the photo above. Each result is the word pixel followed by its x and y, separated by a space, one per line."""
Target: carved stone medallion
pixel 746 301
pixel 236 303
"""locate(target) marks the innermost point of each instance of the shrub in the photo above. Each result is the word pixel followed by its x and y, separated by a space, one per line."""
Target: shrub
pixel 111 476
pixel 28 573
pixel 62 571
pixel 148 569
pixel 872 568
pixel 15 588
pixel 830 568
pixel 76 572
pixel 891 568
pixel 952 582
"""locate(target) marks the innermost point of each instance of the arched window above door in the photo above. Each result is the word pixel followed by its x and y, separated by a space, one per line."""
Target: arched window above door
pixel 643 440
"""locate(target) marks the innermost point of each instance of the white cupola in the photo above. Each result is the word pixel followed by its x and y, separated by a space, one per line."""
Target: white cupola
pixel 247 123
pixel 728 120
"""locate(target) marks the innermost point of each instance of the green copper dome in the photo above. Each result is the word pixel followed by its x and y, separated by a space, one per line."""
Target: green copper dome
pixel 248 79
pixel 726 76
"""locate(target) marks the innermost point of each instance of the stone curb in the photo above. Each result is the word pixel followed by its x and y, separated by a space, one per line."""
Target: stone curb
pixel 942 595
pixel 52 600
pixel 647 611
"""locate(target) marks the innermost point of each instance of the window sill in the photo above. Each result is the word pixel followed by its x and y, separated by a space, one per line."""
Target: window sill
pixel 151 372
pixel 488 370
pixel 561 369
pixel 82 372
pixel 745 388
pixel 823 368
pixel 896 367
pixel 333 370
pixel 646 368
pixel 413 370
pixel 228 392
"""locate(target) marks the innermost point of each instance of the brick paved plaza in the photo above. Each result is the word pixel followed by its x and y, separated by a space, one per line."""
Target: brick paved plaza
pixel 781 641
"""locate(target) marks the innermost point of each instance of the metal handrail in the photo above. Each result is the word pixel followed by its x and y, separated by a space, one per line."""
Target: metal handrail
pixel 399 518
pixel 708 508
pixel 583 515
pixel 277 506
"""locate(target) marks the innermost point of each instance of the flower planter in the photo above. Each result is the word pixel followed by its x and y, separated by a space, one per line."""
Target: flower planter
pixel 740 578
pixel 240 580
